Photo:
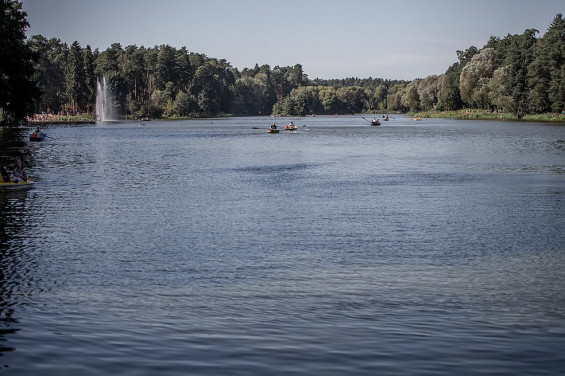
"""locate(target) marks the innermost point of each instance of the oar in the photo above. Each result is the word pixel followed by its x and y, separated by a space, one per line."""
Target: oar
pixel 365 119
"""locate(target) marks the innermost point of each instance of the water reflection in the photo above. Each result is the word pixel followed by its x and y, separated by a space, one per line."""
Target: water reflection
pixel 14 267
pixel 13 144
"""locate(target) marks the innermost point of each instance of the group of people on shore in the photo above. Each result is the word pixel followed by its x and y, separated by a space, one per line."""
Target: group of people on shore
pixel 60 118
pixel 18 175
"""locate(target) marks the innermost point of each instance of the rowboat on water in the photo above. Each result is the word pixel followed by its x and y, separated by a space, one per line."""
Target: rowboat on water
pixel 375 122
pixel 273 129
pixel 35 137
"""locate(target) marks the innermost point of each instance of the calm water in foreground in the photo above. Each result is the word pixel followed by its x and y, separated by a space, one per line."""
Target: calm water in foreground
pixel 212 248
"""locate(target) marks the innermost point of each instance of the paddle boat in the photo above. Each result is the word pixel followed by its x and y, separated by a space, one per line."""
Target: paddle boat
pixel 9 185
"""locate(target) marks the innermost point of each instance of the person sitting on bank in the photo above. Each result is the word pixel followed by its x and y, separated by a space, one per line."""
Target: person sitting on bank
pixel 19 174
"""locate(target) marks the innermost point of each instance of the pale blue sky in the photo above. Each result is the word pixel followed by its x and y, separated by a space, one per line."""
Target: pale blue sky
pixel 395 39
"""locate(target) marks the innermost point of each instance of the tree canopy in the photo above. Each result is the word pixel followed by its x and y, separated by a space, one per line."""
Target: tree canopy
pixel 517 73
pixel 18 91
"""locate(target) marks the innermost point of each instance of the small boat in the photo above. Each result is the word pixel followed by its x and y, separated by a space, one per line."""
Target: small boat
pixel 272 131
pixel 34 137
pixel 375 122
pixel 15 186
pixel 417 118
pixel 289 127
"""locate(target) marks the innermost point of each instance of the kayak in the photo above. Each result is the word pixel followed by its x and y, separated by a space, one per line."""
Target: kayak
pixel 13 186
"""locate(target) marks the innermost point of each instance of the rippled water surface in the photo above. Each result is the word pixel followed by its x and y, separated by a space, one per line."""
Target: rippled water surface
pixel 212 247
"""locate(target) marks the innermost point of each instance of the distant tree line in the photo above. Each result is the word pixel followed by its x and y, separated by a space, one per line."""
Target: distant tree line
pixel 518 73
pixel 170 82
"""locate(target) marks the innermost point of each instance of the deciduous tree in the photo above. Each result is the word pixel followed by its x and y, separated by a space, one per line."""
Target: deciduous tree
pixel 18 90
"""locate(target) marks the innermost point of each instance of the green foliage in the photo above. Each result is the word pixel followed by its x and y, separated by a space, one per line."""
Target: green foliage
pixel 18 91
pixel 450 99
pixel 548 69
pixel 411 98
pixel 249 94
pixel 517 73
pixel 394 99
pixel 429 91
pixel 518 59
pixel 475 78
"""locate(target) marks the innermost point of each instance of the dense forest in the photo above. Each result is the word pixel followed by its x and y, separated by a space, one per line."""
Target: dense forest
pixel 522 73
pixel 163 81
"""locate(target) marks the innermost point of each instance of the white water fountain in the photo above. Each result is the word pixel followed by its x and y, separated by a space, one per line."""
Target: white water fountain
pixel 104 101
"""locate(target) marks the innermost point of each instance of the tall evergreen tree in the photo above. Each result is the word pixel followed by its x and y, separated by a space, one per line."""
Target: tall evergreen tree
pixel 88 98
pixel 520 56
pixel 555 44
pixel 75 86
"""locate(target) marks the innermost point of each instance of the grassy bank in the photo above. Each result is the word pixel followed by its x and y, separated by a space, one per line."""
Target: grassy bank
pixel 486 115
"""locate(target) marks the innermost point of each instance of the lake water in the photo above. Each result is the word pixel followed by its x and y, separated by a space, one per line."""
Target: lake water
pixel 210 247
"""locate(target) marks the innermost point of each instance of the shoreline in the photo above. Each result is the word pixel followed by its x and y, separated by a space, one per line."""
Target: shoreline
pixel 469 114
pixel 472 114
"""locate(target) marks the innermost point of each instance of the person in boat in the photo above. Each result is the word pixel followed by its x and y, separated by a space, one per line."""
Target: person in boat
pixel 37 133
pixel 19 174
pixel 291 125
pixel 273 126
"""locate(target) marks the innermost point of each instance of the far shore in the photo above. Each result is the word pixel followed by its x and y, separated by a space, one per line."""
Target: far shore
pixel 473 114
pixel 467 114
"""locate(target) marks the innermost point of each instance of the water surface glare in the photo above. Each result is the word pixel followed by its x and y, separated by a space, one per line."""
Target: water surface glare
pixel 213 248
